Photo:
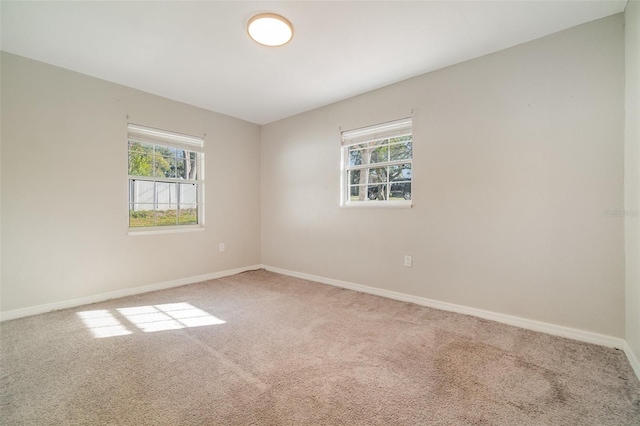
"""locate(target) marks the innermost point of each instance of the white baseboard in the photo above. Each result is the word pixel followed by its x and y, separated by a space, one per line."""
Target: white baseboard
pixel 72 303
pixel 635 364
pixel 556 330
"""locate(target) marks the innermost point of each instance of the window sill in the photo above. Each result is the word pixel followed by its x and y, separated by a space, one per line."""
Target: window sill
pixel 377 205
pixel 164 230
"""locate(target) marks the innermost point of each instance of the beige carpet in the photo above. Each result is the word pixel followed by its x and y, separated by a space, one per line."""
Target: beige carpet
pixel 264 349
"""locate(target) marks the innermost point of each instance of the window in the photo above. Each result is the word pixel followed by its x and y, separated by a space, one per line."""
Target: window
pixel 165 178
pixel 376 165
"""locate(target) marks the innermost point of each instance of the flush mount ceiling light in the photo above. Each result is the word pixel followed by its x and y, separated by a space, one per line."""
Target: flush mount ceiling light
pixel 270 29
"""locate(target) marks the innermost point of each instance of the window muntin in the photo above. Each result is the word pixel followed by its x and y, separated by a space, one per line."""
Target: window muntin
pixel 377 164
pixel 165 174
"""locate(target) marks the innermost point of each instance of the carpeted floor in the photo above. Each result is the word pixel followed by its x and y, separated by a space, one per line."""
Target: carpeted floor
pixel 265 349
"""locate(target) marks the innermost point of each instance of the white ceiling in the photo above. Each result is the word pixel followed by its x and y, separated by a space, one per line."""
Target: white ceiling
pixel 199 52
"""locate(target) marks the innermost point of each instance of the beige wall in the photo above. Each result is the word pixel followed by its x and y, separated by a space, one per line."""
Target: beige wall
pixel 632 175
pixel 517 155
pixel 64 188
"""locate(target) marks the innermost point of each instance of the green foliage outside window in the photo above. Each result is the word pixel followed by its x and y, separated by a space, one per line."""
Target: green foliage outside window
pixel 148 160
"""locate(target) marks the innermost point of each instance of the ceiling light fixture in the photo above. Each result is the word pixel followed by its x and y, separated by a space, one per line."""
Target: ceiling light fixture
pixel 270 29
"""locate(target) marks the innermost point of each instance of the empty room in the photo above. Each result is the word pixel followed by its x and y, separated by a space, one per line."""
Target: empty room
pixel 320 212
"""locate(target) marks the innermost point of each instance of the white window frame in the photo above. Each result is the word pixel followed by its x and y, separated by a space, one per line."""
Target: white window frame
pixel 157 137
pixel 377 132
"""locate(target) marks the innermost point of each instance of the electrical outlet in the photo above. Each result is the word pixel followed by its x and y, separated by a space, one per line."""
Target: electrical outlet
pixel 222 247
pixel 408 261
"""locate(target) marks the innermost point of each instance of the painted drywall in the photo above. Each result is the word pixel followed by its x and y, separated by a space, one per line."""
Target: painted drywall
pixel 64 188
pixel 518 157
pixel 632 176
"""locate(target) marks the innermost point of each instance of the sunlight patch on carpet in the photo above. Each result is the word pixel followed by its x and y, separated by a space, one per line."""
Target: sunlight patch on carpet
pixel 151 318
pixel 103 324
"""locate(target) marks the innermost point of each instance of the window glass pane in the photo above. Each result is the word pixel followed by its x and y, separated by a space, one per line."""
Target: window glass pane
pixel 188 193
pixel 402 150
pixel 140 147
pixel 355 176
pixel 400 173
pixel 141 191
pixel 378 174
pixel 140 164
pixel 186 166
pixel 182 166
pixel 166 215
pixel 355 155
pixel 170 167
pixel 141 215
pixel 357 193
pixel 192 169
pixel 377 192
pixel 166 194
pixel 401 139
pixel 161 166
pixel 165 151
pixel 378 154
pixel 400 191
pixel 188 214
